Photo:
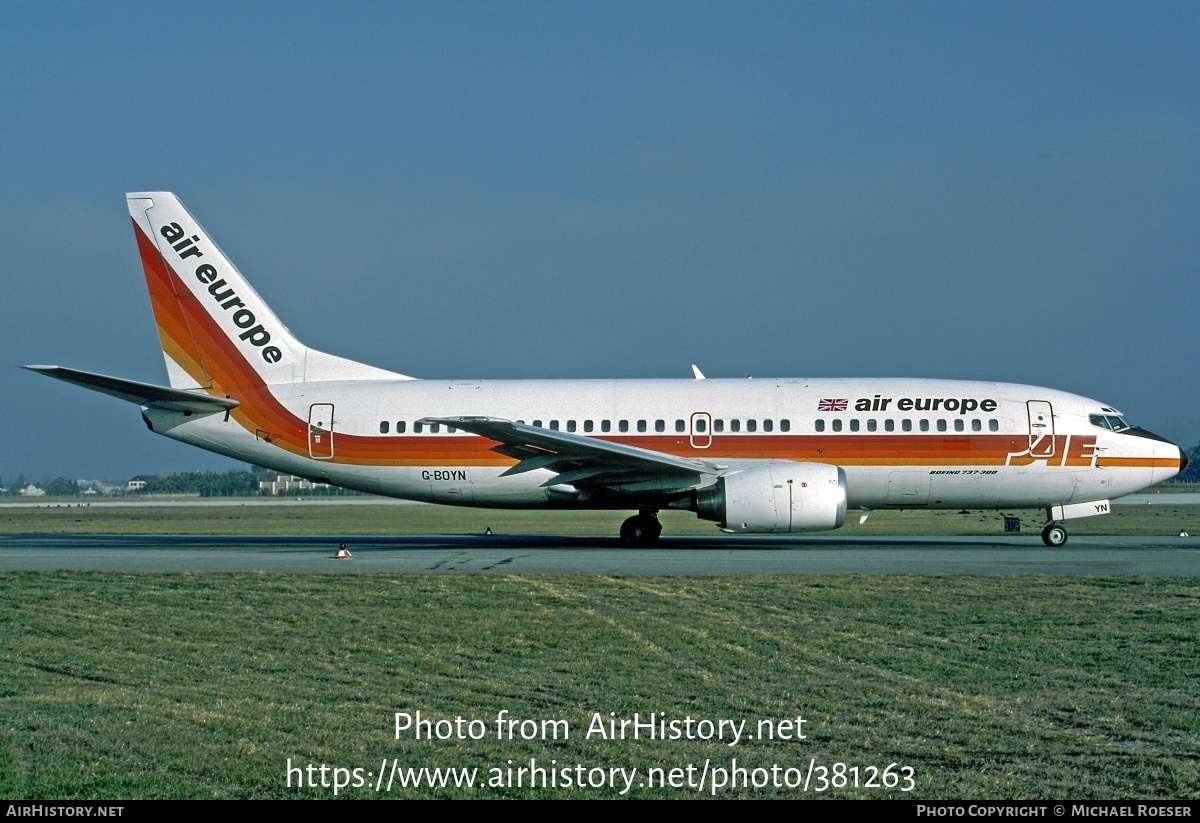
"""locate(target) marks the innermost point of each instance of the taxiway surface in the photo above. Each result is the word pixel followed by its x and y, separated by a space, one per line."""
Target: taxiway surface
pixel 1084 555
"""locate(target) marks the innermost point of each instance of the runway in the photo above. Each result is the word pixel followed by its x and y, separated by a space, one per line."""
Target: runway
pixel 1148 556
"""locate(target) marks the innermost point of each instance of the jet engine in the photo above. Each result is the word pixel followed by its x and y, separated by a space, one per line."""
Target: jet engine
pixel 781 496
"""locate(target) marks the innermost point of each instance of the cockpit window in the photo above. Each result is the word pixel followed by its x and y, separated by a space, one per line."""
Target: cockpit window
pixel 1112 422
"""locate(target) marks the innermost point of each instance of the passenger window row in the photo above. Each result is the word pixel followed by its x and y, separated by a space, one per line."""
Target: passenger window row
pixel 889 425
pixel 700 425
pixel 734 425
pixel 418 427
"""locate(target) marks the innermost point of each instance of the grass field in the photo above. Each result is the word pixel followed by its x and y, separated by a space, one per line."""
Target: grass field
pixel 132 686
pixel 203 686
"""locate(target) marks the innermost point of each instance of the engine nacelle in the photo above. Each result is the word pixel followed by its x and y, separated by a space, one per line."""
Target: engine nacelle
pixel 777 497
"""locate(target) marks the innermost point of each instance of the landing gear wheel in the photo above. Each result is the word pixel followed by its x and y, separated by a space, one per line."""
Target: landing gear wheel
pixel 641 530
pixel 1054 535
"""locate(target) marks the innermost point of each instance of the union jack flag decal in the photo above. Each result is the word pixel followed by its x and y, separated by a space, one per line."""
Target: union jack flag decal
pixel 831 404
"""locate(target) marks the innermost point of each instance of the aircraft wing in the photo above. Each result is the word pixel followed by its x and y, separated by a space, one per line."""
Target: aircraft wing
pixel 587 462
pixel 144 394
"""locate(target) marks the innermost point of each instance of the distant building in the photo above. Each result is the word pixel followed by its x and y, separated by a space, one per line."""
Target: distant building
pixel 86 486
pixel 137 484
pixel 288 484
pixel 32 491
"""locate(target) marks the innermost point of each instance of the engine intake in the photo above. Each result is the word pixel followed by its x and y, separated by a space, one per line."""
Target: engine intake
pixel 782 496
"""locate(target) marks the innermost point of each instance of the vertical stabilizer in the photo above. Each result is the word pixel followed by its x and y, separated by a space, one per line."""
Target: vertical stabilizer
pixel 216 332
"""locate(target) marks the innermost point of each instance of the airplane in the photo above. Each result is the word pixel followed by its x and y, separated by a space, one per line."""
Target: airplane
pixel 765 456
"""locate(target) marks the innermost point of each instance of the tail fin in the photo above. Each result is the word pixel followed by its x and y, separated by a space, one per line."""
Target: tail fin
pixel 216 332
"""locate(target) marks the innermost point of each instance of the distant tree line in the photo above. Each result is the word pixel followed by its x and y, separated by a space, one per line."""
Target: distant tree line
pixel 232 483
pixel 59 486
pixel 206 484
pixel 1192 473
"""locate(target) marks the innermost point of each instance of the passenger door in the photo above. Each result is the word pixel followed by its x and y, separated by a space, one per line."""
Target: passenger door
pixel 320 431
pixel 1041 428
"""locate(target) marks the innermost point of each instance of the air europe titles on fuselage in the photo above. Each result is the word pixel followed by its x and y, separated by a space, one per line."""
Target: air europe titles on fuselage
pixel 964 405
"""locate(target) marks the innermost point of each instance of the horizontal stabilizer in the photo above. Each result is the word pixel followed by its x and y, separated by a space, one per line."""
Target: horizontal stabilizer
pixel 144 394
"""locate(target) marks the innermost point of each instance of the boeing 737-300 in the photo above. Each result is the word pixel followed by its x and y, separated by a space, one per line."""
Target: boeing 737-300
pixel 753 455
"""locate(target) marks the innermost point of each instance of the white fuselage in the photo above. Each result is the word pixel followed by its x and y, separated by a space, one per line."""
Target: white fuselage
pixel 902 443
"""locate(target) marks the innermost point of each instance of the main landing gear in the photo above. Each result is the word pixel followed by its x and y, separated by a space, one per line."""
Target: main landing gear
pixel 1054 535
pixel 642 529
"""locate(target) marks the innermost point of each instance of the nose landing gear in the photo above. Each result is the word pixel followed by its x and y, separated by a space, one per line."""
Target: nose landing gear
pixel 1054 535
pixel 642 529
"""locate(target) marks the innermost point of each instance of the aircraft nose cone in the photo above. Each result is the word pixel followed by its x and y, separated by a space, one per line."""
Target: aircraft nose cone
pixel 1183 458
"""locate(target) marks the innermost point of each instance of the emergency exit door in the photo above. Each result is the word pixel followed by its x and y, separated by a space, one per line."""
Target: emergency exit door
pixel 700 430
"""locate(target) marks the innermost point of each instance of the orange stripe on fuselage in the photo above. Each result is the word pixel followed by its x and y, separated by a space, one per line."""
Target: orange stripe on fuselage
pixel 1138 462
pixel 843 450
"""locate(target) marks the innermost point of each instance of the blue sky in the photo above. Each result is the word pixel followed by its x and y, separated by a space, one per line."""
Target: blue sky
pixel 1005 191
